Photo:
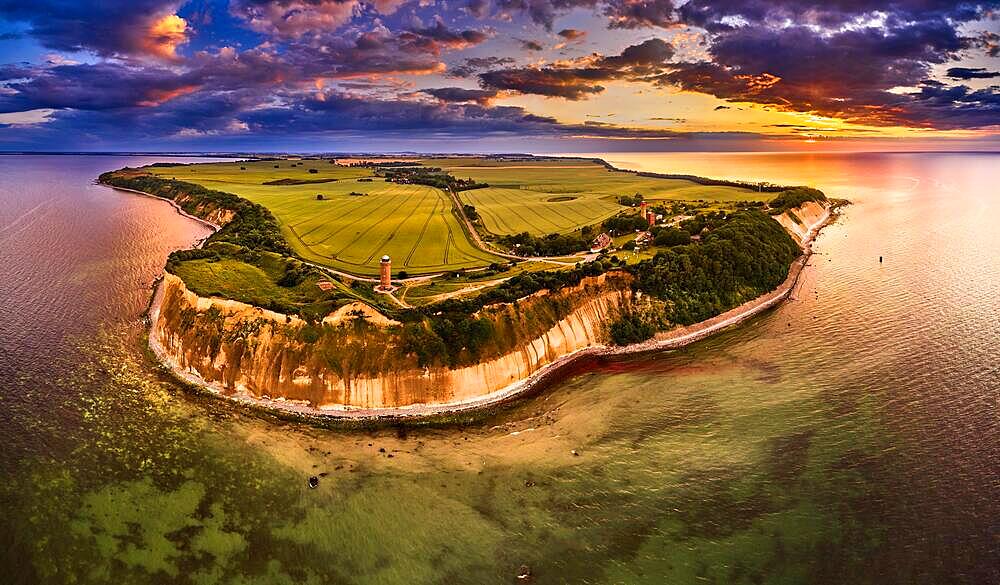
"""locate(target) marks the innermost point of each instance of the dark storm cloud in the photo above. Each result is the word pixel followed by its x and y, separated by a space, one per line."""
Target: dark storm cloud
pixel 461 95
pixel 443 36
pixel 845 75
pixel 92 87
pixel 965 73
pixel 583 78
pixel 572 34
pixel 107 28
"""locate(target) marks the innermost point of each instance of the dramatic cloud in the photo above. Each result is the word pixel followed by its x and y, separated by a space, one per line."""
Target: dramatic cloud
pixel 850 75
pixel 296 18
pixel 176 68
pixel 971 73
pixel 93 87
pixel 140 28
pixel 581 78
pixel 719 15
pixel 461 95
pixel 640 13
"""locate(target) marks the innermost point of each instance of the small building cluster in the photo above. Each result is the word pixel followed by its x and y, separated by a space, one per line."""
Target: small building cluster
pixel 600 242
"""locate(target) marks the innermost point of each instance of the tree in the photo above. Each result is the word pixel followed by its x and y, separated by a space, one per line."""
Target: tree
pixel 672 236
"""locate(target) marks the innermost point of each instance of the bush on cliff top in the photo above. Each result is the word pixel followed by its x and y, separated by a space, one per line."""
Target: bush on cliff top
pixel 793 198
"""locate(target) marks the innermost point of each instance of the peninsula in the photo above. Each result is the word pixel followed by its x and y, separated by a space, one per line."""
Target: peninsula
pixel 397 287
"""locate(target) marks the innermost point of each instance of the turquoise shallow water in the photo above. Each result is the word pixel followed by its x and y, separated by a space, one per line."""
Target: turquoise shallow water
pixel 850 436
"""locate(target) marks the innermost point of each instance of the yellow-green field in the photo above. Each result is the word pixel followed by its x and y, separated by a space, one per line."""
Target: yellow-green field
pixel 361 217
pixel 545 196
pixel 413 224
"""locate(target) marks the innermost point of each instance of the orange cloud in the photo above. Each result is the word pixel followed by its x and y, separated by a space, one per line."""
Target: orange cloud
pixel 156 97
pixel 164 35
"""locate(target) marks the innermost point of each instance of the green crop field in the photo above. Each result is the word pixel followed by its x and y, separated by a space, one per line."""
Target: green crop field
pixel 361 217
pixel 545 196
pixel 413 224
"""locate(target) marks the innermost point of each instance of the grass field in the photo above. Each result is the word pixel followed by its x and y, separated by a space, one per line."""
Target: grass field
pixel 413 224
pixel 362 217
pixel 545 196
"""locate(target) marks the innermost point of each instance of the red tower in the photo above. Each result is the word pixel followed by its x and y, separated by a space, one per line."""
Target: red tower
pixel 651 217
pixel 386 275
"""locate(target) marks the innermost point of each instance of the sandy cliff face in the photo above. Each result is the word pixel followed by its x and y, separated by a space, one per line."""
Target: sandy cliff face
pixel 245 351
pixel 210 213
pixel 242 350
pixel 809 215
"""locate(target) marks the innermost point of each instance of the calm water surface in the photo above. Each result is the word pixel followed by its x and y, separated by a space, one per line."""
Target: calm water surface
pixel 850 436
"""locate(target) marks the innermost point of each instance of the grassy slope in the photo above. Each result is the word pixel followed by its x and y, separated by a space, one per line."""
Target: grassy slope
pixel 258 285
pixel 526 196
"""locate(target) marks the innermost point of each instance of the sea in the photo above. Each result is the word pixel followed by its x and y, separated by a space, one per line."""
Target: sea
pixel 849 436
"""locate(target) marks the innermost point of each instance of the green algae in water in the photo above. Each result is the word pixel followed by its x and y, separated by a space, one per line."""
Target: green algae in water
pixel 715 480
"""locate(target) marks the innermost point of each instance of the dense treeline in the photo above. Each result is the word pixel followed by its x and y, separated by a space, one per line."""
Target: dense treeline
pixel 740 259
pixel 760 187
pixel 625 223
pixel 431 176
pixel 525 244
pixel 252 225
pixel 795 197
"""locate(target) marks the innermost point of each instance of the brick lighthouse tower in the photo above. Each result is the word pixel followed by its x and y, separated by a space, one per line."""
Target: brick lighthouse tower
pixel 385 280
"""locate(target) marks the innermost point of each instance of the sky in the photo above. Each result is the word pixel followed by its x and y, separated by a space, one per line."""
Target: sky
pixel 499 75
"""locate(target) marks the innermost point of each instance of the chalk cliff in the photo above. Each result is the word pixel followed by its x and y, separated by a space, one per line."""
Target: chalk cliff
pixel 238 349
pixel 347 362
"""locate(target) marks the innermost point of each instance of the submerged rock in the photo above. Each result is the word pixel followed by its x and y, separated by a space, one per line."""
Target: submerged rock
pixel 313 481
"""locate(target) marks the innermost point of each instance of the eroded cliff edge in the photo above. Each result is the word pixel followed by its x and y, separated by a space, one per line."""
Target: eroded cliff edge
pixel 353 364
pixel 251 353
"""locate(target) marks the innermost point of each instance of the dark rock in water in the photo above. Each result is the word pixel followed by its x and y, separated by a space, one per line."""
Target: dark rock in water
pixel 381 449
pixel 529 483
pixel 524 572
pixel 313 481
pixel 324 474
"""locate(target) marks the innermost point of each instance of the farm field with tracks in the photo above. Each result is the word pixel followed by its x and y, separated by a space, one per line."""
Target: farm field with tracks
pixel 545 196
pixel 356 222
pixel 360 216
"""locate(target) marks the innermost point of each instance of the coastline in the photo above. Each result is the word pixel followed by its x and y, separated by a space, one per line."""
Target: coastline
pixel 672 339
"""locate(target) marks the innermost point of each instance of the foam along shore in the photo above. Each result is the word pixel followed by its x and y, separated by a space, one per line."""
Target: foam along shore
pixel 813 217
